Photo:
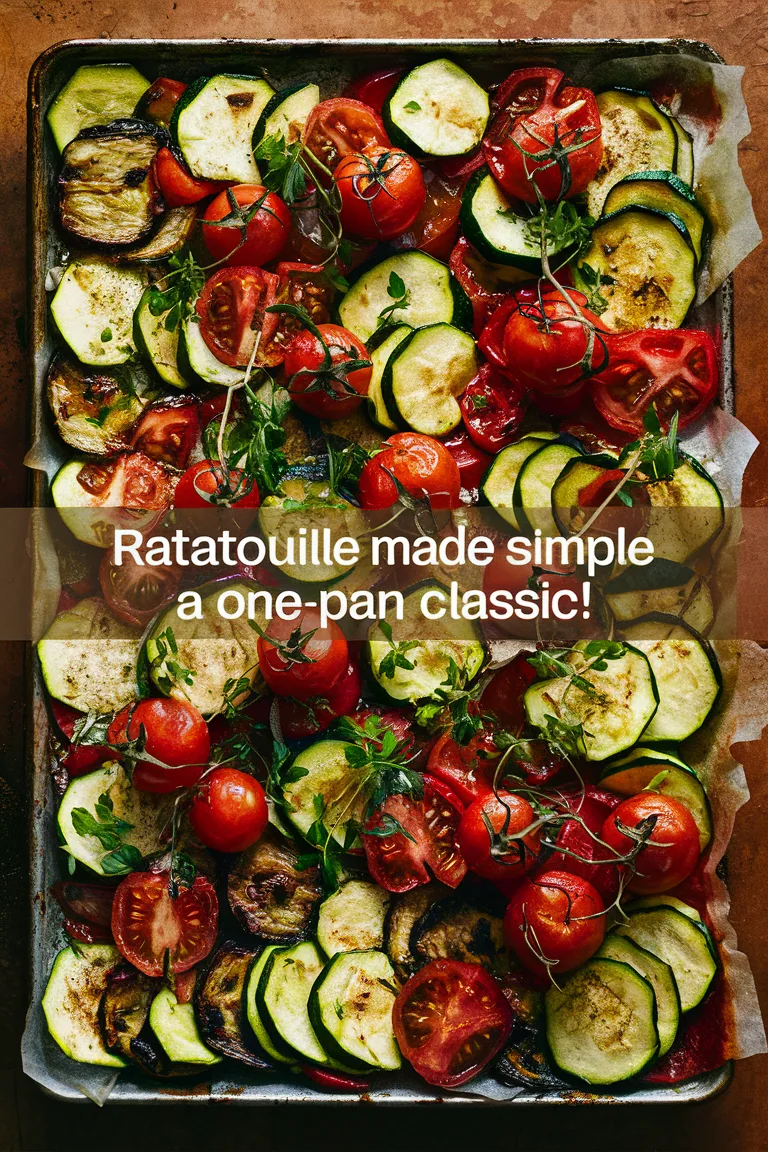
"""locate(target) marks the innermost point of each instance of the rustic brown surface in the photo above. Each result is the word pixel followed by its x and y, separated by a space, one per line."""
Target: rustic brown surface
pixel 738 1120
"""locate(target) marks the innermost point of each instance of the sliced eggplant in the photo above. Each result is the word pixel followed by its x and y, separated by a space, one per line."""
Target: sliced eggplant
pixel 220 1005
pixel 106 191
pixel 403 913
pixel 175 230
pixel 524 1061
pixel 96 411
pixel 270 896
pixel 124 1021
pixel 457 929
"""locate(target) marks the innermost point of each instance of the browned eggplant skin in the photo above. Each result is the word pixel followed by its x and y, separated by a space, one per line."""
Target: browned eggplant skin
pixel 93 413
pixel 270 897
pixel 458 929
pixel 403 913
pixel 174 231
pixel 124 1022
pixel 220 1005
pixel 107 191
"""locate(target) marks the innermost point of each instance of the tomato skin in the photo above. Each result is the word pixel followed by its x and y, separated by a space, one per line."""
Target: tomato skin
pixel 147 921
pixel 475 841
pixel 592 810
pixel 372 88
pixel 339 126
pixel 176 733
pixel 91 903
pixel 159 100
pixel 335 1081
pixel 308 391
pixel 503 695
pixel 472 462
pixel 229 304
pixel 326 651
pixel 467 769
pixel 265 234
pixel 299 718
pixel 491 336
pixel 592 430
pixel 179 187
pixel 229 812
pixel 78 759
pixel 450 1020
pixel 382 192
pixel 550 361
pixel 492 411
pixel 484 302
pixel 423 466
pixel 531 104
pixel 205 485
pixel 554 907
pixel 168 432
pixel 436 227
pixel 672 850
pixel 136 593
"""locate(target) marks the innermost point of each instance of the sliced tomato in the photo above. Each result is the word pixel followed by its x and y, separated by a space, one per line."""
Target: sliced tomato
pixel 398 863
pixel 306 286
pixel 130 491
pixel 232 311
pixel 148 923
pixel 436 228
pixel 137 592
pixel 467 769
pixel 493 410
pixel 177 185
pixel 372 88
pixel 676 371
pixel 336 128
pixel 472 463
pixel 450 1020
pixel 168 432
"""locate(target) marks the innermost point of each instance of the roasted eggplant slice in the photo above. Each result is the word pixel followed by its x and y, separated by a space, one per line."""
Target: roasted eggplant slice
pixel 96 411
pixel 403 913
pixel 107 193
pixel 457 929
pixel 124 1016
pixel 220 1005
pixel 270 897
pixel 176 228
pixel 524 1061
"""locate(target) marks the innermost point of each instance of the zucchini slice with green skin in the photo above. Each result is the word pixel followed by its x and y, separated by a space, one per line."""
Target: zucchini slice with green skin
pixel 684 164
pixel 637 137
pixel 88 658
pixel 220 1005
pixel 664 192
pixel 147 813
pixel 498 484
pixel 680 942
pixel 614 716
pixel 424 377
pixel 662 900
pixel 533 494
pixel 213 125
pixel 602 1024
pixel 490 223
pixel 659 976
pixel 308 503
pixel 271 897
pixel 94 411
pixel 379 356
pixel 687 676
pixel 577 474
pixel 96 94
pixel 433 645
pixel 691 601
pixel 433 296
pixel 93 308
pixel 687 514
pixel 634 772
pixel 650 260
pixel 71 1001
pixel 158 344
pixel 350 1007
pixel 286 113
pixel 438 109
pixel 252 1009
pixel 195 361
pixel 327 774
pixel 176 1029
pixel 176 229
pixel 352 918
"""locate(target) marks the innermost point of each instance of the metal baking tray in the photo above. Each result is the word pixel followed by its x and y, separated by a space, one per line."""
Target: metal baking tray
pixel 331 63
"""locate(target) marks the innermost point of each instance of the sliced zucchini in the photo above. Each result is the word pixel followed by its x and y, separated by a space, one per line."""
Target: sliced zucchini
pixel 252 1009
pixel 94 498
pixel 404 911
pixel 662 900
pixel 285 113
pixel 680 942
pixel 175 230
pixel 493 226
pixel 434 644
pixel 637 137
pixel 691 601
pixel 269 895
pixel 328 776
pixel 687 676
pixel 659 976
pixel 106 191
pixel 176 1029
pixel 308 503
pixel 684 164
pixel 458 929
pixel 71 1001
pixel 602 1023
pixel 158 343
pixel 194 359
pixel 687 512
pixel 95 411
pixel 650 262
pixel 663 192
pixel 96 94
pixel 613 716
pixel 220 1005
pixel 146 813
pixel 88 658
pixel 352 918
pixel 424 377
pixel 379 356
pixel 533 494
pixel 635 771
pixel 213 125
pixel 433 296
pixel 498 484
pixel 437 108
pixel 579 472
pixel 93 307
pixel 350 1007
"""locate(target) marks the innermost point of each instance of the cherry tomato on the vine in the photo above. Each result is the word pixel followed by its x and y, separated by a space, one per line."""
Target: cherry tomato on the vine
pixel 302 657
pixel 671 844
pixel 206 484
pixel 554 922
pixel 321 379
pixel 422 465
pixel 229 811
pixel 266 231
pixel 175 733
pixel 382 192
pixel 509 856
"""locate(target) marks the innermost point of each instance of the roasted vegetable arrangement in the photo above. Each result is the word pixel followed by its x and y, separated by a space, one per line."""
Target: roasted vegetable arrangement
pixel 289 849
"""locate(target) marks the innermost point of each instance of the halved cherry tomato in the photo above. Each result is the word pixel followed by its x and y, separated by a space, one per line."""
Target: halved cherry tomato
pixel 137 592
pixel 177 185
pixel 229 811
pixel 539 114
pixel 676 371
pixel 265 232
pixel 450 1020
pixel 382 192
pixel 168 432
pixel 232 311
pixel 514 855
pixel 130 491
pixel 175 733
pixel 148 923
pixel 423 466
pixel 302 718
pixel 159 101
pixel 302 657
pixel 492 410
pixel 554 922
pixel 337 127
pixel 472 463
pixel 335 391
pixel 372 88
pixel 545 343
pixel 670 852
pixel 466 768
pixel 436 228
pixel 78 759
pixel 398 863
pixel 206 484
pixel 89 902
pixel 504 693
pixel 305 286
